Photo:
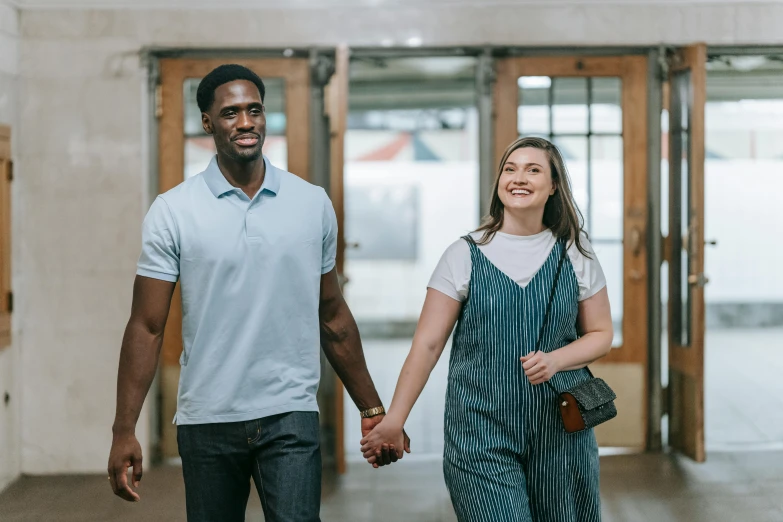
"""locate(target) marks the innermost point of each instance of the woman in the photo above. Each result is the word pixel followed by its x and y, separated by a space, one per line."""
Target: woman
pixel 507 455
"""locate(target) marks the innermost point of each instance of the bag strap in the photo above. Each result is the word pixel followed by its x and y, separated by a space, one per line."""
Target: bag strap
pixel 549 305
pixel 551 298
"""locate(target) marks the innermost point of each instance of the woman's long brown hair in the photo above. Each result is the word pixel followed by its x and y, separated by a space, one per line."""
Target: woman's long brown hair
pixel 561 215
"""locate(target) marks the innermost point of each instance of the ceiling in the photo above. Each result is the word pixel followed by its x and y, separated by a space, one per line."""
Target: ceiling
pixel 321 4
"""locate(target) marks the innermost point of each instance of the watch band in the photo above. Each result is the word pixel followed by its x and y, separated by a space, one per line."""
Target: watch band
pixel 372 412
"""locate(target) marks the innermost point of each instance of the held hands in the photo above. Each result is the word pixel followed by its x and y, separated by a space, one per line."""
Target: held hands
pixel 540 366
pixel 382 441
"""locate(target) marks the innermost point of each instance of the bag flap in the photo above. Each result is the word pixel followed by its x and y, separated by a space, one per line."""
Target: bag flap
pixel 592 393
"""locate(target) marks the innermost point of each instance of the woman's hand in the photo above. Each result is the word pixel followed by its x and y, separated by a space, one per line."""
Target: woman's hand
pixel 385 436
pixel 540 366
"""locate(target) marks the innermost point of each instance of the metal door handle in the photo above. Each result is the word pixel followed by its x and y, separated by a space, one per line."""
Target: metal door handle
pixel 635 241
pixel 698 279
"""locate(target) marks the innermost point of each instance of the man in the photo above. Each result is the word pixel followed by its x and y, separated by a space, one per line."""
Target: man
pixel 253 248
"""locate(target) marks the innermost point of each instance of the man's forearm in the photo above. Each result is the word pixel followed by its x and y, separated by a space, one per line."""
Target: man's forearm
pixel 138 364
pixel 343 348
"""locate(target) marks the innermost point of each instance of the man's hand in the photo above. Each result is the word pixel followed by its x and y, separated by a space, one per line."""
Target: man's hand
pixel 388 454
pixel 125 453
pixel 141 346
pixel 379 447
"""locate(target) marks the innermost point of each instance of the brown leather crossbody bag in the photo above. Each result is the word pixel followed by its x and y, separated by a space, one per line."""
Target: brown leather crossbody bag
pixel 589 403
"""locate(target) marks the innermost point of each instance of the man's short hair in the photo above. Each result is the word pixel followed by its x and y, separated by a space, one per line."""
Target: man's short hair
pixel 205 95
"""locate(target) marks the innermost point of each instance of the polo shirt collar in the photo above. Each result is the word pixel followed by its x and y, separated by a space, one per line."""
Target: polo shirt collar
pixel 219 185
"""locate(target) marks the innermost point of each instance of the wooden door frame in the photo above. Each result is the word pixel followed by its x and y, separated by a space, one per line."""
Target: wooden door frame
pixel 686 363
pixel 336 105
pixel 633 71
pixel 170 111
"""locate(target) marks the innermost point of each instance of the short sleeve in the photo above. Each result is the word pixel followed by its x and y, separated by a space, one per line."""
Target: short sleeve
pixel 329 244
pixel 589 274
pixel 159 244
pixel 452 274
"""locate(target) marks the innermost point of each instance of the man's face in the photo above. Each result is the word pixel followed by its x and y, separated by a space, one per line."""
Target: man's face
pixel 237 121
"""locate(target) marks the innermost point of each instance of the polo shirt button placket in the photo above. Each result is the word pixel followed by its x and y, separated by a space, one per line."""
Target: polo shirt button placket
pixel 251 228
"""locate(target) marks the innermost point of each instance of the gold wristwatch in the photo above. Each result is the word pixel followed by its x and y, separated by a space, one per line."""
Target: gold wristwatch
pixel 372 412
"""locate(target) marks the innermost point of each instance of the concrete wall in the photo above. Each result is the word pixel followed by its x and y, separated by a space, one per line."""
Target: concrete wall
pixel 81 189
pixel 82 177
pixel 10 369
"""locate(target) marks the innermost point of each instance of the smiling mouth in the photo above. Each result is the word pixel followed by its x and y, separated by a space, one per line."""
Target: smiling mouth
pixel 246 141
pixel 520 192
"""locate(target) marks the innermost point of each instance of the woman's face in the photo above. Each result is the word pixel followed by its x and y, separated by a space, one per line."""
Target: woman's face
pixel 526 180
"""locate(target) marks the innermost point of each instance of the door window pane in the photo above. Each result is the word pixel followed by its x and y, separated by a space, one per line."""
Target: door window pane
pixel 574 150
pixel 606 114
pixel 583 118
pixel 411 182
pixel 569 105
pixel 680 229
pixel 533 114
pixel 665 173
pixel 392 209
pixel 606 219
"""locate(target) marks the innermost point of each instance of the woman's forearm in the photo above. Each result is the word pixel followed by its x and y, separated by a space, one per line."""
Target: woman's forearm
pixel 585 350
pixel 438 317
pixel 413 376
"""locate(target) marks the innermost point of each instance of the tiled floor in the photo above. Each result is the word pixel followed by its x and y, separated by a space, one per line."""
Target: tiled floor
pixel 730 487
pixel 744 408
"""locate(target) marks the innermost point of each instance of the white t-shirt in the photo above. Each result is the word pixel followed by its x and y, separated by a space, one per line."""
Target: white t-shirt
pixel 519 257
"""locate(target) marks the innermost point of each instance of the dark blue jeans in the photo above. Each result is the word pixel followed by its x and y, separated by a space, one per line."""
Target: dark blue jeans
pixel 282 454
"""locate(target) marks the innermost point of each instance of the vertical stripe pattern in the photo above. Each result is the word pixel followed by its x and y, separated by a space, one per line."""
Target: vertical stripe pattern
pixel 507 456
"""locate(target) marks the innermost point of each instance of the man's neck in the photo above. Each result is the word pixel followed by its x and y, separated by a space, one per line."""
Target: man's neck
pixel 248 176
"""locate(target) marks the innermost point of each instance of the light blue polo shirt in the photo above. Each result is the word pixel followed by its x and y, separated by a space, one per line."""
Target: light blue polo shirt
pixel 250 273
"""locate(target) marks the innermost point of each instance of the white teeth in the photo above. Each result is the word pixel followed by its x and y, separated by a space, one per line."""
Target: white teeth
pixel 520 192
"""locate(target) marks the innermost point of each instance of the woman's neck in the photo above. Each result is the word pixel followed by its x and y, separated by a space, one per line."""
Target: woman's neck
pixel 522 223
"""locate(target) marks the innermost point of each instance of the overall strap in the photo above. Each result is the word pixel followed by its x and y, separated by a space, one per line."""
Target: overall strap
pixel 472 245
pixel 549 303
pixel 551 298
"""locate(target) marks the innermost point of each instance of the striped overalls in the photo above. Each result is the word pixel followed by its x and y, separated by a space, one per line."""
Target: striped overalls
pixel 507 456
